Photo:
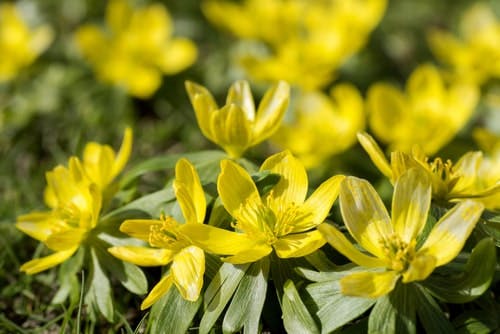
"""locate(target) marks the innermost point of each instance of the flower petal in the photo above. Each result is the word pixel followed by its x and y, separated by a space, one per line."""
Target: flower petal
pixel 189 192
pixel 158 291
pixel 187 271
pixel 143 256
pixel 420 268
pixel 375 152
pixel 68 239
pixel 450 233
pixel 241 95
pixel 298 245
pixel 365 215
pixel 369 284
pixel 231 129
pixel 203 105
pixel 179 53
pixel 123 154
pixel 139 228
pixel 257 252
pixel 410 204
pixel 338 241
pixel 37 265
pixel 291 189
pixel 216 240
pixel 39 225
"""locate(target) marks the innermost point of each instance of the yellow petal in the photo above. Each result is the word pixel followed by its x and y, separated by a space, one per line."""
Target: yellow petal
pixel 139 228
pixel 321 201
pixel 298 245
pixel 365 215
pixel 271 110
pixel 338 241
pixel 410 204
pixel 70 238
pixel 143 256
pixel 425 83
pixel 420 268
pixel 142 81
pixel 376 155
pixel 123 154
pixel 189 192
pixel 37 265
pixel 98 163
pixel 257 252
pixel 179 54
pixel 450 233
pixel 204 105
pixel 231 129
pixel 216 240
pixel 241 95
pixel 401 162
pixel 369 284
pixel 187 272
pixel 238 192
pixel 118 14
pixel 291 189
pixel 39 225
pixel 158 291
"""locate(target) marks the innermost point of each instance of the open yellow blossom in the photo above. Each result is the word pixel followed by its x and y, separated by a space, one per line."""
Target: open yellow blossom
pixel 75 204
pixel 322 125
pixel 281 219
pixel 136 47
pixel 237 126
pixel 168 242
pixel 429 113
pixel 20 45
pixel 475 55
pixel 467 178
pixel 392 243
pixel 304 41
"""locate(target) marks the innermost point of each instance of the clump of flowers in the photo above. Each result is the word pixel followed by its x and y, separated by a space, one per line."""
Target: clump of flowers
pixel 136 47
pixel 19 43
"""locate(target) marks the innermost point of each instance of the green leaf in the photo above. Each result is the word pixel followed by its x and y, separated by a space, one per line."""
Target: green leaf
pixel 69 283
pixel 429 313
pixel 333 309
pixel 246 305
pixel 383 317
pixel 477 322
pixel 491 228
pixel 100 289
pixel 172 313
pixel 265 180
pixel 218 293
pixel 205 162
pixel 296 317
pixel 472 281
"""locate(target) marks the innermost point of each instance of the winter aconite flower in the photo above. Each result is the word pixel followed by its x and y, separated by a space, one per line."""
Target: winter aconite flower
pixel 318 119
pixel 168 242
pixel 75 196
pixel 392 243
pixel 475 54
pixel 281 219
pixel 237 126
pixel 19 44
pixel 429 113
pixel 136 48
pixel 467 178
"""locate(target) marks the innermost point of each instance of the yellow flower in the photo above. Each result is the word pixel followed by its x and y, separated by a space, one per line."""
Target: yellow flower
pixel 75 204
pixel 136 48
pixel 237 126
pixel 20 45
pixel 304 41
pixel 475 55
pixel 467 178
pixel 489 168
pixel 318 119
pixel 429 113
pixel 168 242
pixel 281 219
pixel 392 243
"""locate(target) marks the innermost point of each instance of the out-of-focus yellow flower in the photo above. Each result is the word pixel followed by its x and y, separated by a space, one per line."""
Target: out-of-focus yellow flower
pixel 19 44
pixel 428 114
pixel 282 219
pixel 392 243
pixel 475 55
pixel 237 126
pixel 75 204
pixel 489 169
pixel 467 178
pixel 322 125
pixel 169 243
pixel 136 48
pixel 306 41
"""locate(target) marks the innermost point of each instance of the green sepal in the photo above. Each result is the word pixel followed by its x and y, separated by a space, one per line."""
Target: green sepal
pixel 172 313
pixel 99 296
pixel 248 300
pixel 218 293
pixel 69 283
pixel 472 281
pixel 477 322
pixel 429 313
pixel 296 317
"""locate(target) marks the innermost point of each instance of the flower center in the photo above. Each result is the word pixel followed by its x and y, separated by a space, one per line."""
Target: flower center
pixel 165 235
pixel 398 252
